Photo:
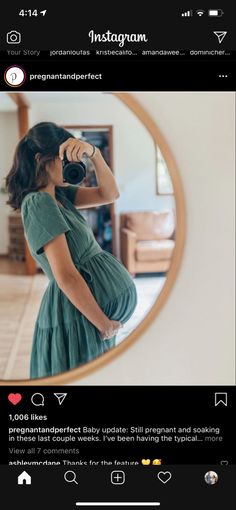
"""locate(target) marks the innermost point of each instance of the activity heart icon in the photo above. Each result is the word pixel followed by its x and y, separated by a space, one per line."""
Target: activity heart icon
pixel 224 462
pixel 164 476
pixel 14 398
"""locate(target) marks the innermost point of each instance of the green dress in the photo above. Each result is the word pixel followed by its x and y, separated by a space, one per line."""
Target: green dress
pixel 63 337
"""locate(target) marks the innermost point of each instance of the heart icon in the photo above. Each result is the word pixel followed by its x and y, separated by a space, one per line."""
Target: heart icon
pixel 146 462
pixel 14 398
pixel 224 462
pixel 164 476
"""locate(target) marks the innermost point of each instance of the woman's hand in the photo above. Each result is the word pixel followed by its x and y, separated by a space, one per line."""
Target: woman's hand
pixel 76 149
pixel 112 330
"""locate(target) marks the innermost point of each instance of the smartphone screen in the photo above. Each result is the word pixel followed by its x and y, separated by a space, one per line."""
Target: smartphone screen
pixel 117 296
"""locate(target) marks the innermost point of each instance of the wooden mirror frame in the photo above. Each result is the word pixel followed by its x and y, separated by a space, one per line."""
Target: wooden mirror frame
pixel 80 372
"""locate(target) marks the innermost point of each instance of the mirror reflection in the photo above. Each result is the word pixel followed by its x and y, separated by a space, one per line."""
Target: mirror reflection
pixel 81 263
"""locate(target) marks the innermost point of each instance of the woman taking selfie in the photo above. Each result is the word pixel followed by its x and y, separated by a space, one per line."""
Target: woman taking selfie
pixel 90 294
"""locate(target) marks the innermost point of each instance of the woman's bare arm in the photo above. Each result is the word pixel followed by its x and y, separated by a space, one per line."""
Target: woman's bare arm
pixel 105 193
pixel 73 285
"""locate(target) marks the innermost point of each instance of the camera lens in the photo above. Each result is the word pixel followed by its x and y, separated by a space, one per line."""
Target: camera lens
pixel 73 172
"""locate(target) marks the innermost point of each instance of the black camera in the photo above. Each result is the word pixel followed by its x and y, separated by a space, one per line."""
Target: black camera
pixel 73 172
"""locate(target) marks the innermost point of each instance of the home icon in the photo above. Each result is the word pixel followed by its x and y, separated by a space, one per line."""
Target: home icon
pixel 24 479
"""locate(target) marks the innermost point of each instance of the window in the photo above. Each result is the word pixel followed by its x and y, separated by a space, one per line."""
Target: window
pixel 163 181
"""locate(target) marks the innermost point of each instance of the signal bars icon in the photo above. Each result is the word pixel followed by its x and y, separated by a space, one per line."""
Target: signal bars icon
pixel 187 14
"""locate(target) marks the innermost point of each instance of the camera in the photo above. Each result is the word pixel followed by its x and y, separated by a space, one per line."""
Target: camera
pixel 73 172
pixel 13 37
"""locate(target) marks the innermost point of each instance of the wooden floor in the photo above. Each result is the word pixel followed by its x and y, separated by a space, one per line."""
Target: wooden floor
pixel 20 298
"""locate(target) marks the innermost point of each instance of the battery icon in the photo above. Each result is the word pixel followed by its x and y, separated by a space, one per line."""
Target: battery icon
pixel 215 12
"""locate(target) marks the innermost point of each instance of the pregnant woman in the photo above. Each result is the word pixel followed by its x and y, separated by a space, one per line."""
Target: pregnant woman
pixel 90 294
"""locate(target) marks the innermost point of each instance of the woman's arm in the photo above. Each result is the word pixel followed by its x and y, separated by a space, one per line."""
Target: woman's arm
pixel 107 190
pixel 74 286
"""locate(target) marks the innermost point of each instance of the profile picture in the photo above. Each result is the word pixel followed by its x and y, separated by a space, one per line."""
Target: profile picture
pixel 211 477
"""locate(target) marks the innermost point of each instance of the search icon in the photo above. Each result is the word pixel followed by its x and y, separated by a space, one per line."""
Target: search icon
pixel 37 399
pixel 70 477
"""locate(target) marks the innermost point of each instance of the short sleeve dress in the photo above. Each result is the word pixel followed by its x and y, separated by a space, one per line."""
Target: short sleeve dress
pixel 63 337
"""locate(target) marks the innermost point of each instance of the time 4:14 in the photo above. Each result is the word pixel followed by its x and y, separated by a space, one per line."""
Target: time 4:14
pixel 31 12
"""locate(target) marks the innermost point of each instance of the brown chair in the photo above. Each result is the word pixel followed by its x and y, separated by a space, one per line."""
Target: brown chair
pixel 147 240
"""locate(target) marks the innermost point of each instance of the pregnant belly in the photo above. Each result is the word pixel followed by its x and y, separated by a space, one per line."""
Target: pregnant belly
pixel 112 286
pixel 122 307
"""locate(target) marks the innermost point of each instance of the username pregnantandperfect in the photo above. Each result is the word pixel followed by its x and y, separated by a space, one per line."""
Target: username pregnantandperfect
pixel 61 76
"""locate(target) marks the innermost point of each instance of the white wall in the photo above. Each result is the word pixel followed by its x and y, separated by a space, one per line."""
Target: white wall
pixel 8 141
pixel 192 339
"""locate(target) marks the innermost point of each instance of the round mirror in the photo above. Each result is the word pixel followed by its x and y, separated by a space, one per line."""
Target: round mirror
pixel 132 240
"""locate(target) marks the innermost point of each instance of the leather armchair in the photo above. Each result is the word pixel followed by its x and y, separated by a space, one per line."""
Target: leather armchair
pixel 147 240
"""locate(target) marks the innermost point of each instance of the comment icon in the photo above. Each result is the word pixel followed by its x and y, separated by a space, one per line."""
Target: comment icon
pixel 37 399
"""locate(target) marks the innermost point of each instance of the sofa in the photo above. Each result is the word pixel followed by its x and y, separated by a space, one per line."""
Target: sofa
pixel 147 240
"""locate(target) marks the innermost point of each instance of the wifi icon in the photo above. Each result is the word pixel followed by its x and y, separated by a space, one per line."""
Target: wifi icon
pixel 200 12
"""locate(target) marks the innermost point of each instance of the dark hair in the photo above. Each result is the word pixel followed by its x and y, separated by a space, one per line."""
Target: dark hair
pixel 27 173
